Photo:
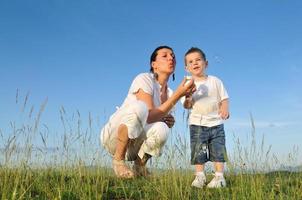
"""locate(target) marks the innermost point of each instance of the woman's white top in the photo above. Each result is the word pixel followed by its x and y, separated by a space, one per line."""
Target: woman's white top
pixel 149 85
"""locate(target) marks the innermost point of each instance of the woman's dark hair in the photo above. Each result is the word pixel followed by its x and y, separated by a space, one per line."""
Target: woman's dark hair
pixel 154 54
pixel 193 50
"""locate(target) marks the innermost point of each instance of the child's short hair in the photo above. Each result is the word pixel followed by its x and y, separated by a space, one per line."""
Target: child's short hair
pixel 193 50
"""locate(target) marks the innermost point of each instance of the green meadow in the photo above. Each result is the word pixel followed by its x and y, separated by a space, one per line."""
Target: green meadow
pixel 73 166
pixel 80 182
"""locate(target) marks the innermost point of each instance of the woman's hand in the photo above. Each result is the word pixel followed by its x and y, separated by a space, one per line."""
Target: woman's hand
pixel 158 113
pixel 186 88
pixel 169 120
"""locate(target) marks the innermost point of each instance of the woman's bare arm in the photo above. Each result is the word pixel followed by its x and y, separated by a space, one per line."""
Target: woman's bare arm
pixel 157 113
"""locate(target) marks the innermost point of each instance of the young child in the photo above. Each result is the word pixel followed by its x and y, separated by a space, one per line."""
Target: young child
pixel 208 108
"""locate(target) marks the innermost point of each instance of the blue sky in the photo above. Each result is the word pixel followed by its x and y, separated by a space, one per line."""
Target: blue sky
pixel 83 55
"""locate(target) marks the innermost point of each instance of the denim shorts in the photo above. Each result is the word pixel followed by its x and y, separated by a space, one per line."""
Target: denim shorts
pixel 207 144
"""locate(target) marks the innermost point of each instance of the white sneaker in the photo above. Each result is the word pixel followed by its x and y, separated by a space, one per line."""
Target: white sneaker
pixel 217 182
pixel 199 181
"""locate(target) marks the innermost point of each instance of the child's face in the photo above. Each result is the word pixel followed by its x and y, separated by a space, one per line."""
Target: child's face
pixel 195 64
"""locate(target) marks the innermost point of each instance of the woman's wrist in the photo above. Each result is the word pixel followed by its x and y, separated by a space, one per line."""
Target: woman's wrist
pixel 177 95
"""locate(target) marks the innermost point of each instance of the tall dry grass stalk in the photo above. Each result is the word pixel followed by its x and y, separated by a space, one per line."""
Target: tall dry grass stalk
pixel 38 162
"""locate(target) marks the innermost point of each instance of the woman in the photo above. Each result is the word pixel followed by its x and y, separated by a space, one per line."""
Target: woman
pixel 140 127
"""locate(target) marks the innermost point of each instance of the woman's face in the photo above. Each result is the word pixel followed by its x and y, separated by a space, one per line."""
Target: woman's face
pixel 165 62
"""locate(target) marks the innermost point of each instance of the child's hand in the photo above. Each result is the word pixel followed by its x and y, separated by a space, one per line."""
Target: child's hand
pixel 224 109
pixel 224 114
pixel 188 103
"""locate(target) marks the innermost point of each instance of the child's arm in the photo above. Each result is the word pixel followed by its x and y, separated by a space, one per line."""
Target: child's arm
pixel 188 102
pixel 224 109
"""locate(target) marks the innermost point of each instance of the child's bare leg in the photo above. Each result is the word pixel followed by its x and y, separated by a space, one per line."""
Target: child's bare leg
pixel 200 177
pixel 199 168
pixel 219 167
pixel 218 181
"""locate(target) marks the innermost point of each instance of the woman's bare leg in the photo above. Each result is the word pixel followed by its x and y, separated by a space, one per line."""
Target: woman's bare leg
pixel 140 165
pixel 119 166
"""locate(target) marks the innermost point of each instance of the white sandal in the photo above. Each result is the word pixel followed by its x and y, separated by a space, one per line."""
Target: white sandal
pixel 121 170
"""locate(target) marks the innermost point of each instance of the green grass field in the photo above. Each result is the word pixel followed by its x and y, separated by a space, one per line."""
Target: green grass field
pixel 86 183
pixel 75 167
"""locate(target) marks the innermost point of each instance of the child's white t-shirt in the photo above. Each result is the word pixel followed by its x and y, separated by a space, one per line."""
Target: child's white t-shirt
pixel 209 93
pixel 149 85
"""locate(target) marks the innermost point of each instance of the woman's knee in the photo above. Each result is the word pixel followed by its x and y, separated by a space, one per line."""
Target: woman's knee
pixel 161 130
pixel 135 118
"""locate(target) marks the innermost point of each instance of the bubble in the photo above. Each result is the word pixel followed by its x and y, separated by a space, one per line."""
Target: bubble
pixel 217 58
